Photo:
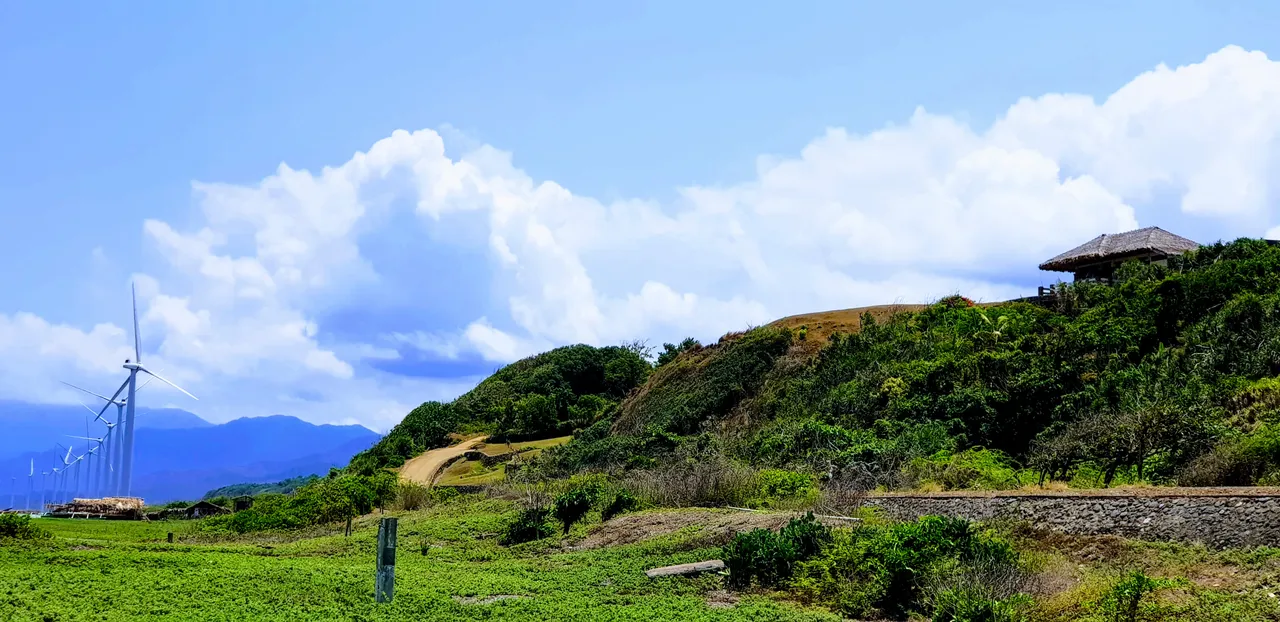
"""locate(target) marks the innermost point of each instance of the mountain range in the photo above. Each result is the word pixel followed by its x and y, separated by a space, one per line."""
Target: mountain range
pixel 178 455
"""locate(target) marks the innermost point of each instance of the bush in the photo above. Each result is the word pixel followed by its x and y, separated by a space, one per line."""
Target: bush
pixel 621 502
pixel 322 501
pixel 571 507
pixel 529 525
pixel 1126 601
pixel 412 496
pixel 874 570
pixel 761 555
pixel 972 605
pixel 767 557
pixel 19 527
pixel 777 485
pixel 713 481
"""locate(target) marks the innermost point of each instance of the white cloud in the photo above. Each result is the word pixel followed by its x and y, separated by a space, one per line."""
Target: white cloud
pixel 908 213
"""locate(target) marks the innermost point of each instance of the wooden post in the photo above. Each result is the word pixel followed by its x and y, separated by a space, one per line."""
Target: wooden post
pixel 384 586
pixel 170 537
pixel 348 532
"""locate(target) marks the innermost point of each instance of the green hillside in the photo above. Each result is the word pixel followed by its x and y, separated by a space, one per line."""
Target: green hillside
pixel 547 395
pixel 1166 376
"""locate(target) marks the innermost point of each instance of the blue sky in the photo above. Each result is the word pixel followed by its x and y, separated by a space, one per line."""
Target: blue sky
pixel 677 134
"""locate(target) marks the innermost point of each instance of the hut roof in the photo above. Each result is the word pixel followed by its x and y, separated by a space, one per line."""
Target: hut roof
pixel 1118 245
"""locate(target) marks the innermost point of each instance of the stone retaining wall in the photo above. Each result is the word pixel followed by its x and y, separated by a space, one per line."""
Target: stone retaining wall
pixel 1216 520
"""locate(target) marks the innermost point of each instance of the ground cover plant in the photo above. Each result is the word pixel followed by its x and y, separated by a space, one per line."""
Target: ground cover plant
pixel 451 567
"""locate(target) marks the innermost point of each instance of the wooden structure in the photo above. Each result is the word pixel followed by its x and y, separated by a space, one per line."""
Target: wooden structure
pixel 1097 259
pixel 385 580
pixel 203 509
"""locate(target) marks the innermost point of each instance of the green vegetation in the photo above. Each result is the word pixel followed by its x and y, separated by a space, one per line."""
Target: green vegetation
pixel 450 564
pixel 1166 376
pixel 551 394
pixel 283 487
pixel 19 527
pixel 328 500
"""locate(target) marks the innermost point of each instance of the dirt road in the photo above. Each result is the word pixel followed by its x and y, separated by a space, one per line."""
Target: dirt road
pixel 425 467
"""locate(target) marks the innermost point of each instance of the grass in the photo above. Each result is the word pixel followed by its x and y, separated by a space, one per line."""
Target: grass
pixel 497 449
pixel 474 473
pixel 471 473
pixel 99 570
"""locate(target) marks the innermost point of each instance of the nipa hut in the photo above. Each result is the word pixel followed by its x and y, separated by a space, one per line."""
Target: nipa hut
pixel 1097 259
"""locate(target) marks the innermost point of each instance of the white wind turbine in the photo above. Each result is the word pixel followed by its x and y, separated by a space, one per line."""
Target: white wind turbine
pixel 31 483
pixel 95 486
pixel 113 452
pixel 134 367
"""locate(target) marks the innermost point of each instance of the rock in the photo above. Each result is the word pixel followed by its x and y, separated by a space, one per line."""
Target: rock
pixel 710 565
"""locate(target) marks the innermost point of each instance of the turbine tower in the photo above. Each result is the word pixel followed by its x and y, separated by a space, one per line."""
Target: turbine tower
pixel 135 366
pixel 31 484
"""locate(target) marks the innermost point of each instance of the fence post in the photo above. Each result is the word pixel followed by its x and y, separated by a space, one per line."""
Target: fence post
pixel 170 537
pixel 348 531
pixel 385 584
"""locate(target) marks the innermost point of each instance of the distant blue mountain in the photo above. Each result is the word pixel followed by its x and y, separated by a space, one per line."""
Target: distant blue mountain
pixel 179 455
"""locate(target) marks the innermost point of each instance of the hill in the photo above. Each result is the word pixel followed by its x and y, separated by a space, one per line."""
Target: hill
pixel 1166 376
pixel 550 394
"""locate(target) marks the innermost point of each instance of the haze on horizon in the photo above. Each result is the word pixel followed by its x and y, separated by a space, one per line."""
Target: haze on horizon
pixel 341 227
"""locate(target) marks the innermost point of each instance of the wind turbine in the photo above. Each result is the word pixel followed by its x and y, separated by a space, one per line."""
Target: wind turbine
pixel 31 482
pixel 66 468
pixel 43 489
pixel 93 486
pixel 135 366
pixel 114 451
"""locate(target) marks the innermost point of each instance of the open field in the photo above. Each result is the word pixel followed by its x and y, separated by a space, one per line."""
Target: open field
pixel 98 570
pixel 450 567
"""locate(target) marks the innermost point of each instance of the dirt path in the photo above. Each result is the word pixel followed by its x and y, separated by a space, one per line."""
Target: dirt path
pixel 425 467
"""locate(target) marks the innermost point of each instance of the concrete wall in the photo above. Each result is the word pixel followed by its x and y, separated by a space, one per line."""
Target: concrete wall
pixel 1221 520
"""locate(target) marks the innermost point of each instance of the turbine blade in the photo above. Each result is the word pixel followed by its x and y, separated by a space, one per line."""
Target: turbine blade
pixel 113 398
pixel 137 340
pixel 157 377
pixel 85 390
pixel 145 383
pixel 84 438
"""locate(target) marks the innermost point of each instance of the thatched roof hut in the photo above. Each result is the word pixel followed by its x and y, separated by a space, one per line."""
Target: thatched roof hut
pixel 1098 258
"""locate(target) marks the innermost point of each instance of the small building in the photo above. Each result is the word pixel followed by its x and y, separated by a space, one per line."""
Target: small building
pixel 243 502
pixel 1097 259
pixel 204 508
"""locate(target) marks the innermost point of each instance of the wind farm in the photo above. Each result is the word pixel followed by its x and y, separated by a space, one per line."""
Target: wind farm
pixel 95 476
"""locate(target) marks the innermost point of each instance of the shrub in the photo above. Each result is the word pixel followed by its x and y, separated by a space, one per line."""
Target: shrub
pixel 19 527
pixel 571 507
pixel 778 485
pixel 1127 599
pixel 973 605
pixel 621 502
pixel 713 481
pixel 412 496
pixel 761 555
pixel 806 534
pixel 769 557
pixel 529 525
pixel 874 570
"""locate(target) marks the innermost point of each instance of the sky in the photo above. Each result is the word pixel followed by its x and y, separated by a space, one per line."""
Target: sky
pixel 338 211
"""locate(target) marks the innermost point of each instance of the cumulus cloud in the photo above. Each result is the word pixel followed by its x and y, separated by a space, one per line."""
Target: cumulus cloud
pixel 908 213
